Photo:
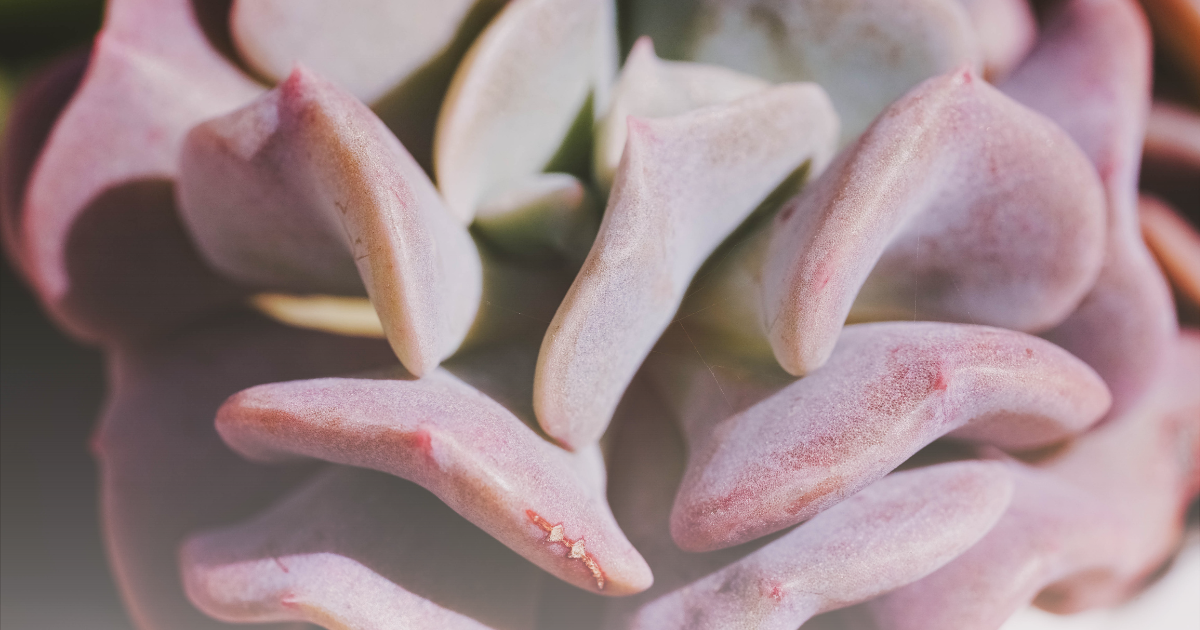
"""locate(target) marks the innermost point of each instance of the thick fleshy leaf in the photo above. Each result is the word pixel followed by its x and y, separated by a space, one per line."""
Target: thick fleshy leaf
pixel 865 53
pixel 466 445
pixel 1006 30
pixel 99 237
pixel 1090 73
pixel 357 550
pixel 518 93
pixel 763 457
pixel 895 531
pixel 958 204
pixel 305 189
pixel 685 183
pixel 365 46
pixel 397 56
pixel 1088 527
pixel 164 472
pixel 648 464
pixel 649 87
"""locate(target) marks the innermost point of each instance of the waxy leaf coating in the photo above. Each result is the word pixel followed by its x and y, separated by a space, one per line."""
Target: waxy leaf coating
pixel 958 204
pixel 685 183
pixel 464 445
pixel 785 454
pixel 305 187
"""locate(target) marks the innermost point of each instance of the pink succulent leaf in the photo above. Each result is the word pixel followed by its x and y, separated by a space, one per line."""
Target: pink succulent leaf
pixel 783 579
pixel 762 462
pixel 99 237
pixel 365 46
pixel 958 204
pixel 1087 527
pixel 1005 31
pixel 452 433
pixel 1090 73
pixel 354 549
pixel 684 184
pixel 865 54
pixel 893 532
pixel 301 186
pixel 164 470
pixel 398 57
pixel 649 87
pixel 518 93
pixel 1176 246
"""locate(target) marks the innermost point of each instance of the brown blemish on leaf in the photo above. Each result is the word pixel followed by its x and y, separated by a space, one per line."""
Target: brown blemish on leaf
pixel 576 549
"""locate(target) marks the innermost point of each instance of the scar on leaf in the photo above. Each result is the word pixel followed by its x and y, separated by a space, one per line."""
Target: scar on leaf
pixel 575 548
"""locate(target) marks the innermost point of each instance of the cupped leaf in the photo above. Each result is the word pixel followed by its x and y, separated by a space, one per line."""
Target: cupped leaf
pixel 455 432
pixel 518 93
pixel 164 472
pixel 1006 31
pixel 685 183
pixel 865 53
pixel 357 550
pixel 649 87
pixel 767 456
pixel 1090 73
pixel 1088 526
pixel 958 204
pixel 100 239
pixel 305 189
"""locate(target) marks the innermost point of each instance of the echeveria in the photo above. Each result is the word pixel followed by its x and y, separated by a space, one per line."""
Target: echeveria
pixel 436 315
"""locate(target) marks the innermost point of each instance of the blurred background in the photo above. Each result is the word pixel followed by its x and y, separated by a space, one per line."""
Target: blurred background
pixel 53 573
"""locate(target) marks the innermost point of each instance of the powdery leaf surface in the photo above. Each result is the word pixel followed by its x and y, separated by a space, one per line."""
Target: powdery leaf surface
pixel 517 93
pixel 685 183
pixel 865 53
pixel 958 204
pixel 467 446
pixel 306 190
pixel 1088 524
pixel 649 87
pixel 1090 73
pixel 893 532
pixel 164 472
pixel 780 580
pixel 365 46
pixel 763 457
pixel 354 549
pixel 99 236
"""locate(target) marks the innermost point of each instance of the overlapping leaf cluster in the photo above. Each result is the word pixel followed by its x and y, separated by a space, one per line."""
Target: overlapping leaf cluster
pixel 839 305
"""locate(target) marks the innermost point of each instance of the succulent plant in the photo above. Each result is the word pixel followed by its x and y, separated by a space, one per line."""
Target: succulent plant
pixel 434 315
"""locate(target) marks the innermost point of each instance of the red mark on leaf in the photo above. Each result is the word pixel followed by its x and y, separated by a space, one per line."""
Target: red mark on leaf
pixel 576 549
